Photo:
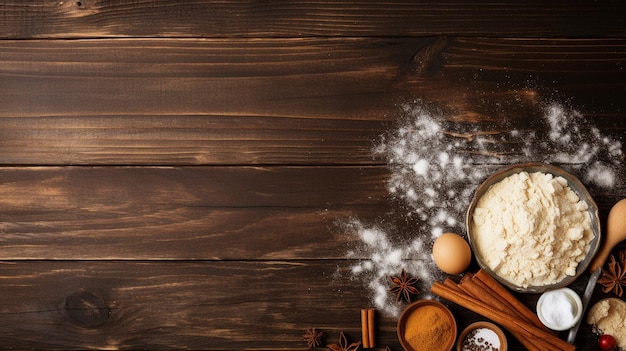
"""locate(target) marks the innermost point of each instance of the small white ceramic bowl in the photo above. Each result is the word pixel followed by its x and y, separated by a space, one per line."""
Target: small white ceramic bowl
pixel 544 306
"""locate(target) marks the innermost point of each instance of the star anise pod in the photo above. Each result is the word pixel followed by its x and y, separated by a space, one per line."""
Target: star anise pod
pixel 343 344
pixel 313 337
pixel 403 286
pixel 614 277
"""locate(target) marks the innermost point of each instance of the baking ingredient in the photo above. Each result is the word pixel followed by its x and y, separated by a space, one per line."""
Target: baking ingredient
pixel 607 342
pixel 608 316
pixel 451 253
pixel 510 315
pixel 313 337
pixel 428 328
pixel 403 286
pixel 343 344
pixel 500 295
pixel 557 310
pixel 431 170
pixel 481 339
pixel 437 159
pixel 532 229
pixel 375 257
pixel 614 275
pixel 368 329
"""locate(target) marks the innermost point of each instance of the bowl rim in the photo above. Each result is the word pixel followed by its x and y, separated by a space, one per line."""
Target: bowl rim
pixel 415 305
pixel 482 324
pixel 570 293
pixel 574 183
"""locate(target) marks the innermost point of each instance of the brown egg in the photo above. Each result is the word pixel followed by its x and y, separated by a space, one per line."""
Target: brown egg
pixel 452 253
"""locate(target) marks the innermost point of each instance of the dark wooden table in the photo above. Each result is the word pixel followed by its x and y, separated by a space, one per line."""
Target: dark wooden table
pixel 174 174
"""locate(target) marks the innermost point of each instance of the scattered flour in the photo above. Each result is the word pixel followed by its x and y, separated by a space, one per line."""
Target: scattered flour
pixel 436 165
pixel 383 259
pixel 429 170
pixel 595 158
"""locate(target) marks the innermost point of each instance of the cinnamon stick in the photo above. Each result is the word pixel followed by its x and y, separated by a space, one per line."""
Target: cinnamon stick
pixel 364 329
pixel 530 336
pixel 482 292
pixel 477 291
pixel 474 289
pixel 494 294
pixel 452 285
pixel 370 326
pixel 496 287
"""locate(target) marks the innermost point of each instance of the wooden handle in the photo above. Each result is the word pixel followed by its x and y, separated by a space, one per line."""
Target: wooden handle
pixel 615 232
pixel 601 256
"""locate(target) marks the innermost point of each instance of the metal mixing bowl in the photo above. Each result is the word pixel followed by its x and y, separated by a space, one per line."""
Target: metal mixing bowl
pixel 574 184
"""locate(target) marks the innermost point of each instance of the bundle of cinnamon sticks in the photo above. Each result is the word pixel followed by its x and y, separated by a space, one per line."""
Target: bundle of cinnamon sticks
pixel 367 327
pixel 482 294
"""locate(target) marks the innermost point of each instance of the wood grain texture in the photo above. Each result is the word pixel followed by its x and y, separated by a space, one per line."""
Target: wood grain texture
pixel 151 213
pixel 203 102
pixel 176 174
pixel 214 305
pixel 178 305
pixel 197 213
pixel 195 18
pixel 281 101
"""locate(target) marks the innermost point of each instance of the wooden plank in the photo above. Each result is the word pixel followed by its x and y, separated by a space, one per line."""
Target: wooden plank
pixel 502 79
pixel 179 139
pixel 91 18
pixel 215 305
pixel 196 101
pixel 222 254
pixel 185 213
pixel 280 101
pixel 150 213
pixel 189 77
pixel 177 305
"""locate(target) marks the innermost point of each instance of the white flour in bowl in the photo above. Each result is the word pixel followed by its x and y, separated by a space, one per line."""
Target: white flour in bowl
pixel 532 229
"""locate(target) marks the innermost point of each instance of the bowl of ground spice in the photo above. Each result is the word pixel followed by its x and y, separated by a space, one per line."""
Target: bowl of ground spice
pixel 427 325
pixel 534 227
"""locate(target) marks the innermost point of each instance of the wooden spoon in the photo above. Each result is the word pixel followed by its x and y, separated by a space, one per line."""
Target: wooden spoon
pixel 615 232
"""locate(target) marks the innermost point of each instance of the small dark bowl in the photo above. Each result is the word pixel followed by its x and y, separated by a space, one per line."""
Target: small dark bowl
pixel 446 344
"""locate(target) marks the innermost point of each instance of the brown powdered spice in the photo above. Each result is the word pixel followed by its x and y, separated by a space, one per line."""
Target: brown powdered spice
pixel 428 328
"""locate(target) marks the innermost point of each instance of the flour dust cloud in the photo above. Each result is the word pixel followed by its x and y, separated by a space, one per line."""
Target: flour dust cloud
pixel 436 166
